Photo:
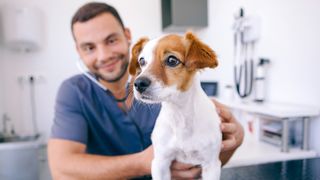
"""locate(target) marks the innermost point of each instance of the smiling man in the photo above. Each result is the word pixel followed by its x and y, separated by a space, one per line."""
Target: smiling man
pixel 94 37
pixel 99 130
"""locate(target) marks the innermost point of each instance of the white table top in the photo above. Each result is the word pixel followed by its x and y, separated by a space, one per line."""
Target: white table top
pixel 277 110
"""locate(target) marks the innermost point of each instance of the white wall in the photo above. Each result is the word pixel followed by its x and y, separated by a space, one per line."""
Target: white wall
pixel 290 38
pixel 49 62
pixel 1 78
pixel 1 88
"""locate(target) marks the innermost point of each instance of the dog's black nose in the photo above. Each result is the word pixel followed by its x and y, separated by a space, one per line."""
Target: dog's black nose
pixel 141 84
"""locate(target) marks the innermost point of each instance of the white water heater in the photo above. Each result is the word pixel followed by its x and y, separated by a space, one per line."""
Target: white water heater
pixel 22 28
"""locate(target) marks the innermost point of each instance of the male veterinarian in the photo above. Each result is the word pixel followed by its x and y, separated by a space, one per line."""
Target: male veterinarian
pixel 99 130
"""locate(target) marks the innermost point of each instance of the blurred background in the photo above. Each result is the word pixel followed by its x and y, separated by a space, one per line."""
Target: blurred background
pixel 280 39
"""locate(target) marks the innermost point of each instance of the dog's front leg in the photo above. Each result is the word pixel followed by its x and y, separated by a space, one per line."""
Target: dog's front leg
pixel 161 169
pixel 211 171
pixel 161 163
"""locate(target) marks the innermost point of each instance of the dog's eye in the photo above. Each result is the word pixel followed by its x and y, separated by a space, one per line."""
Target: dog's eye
pixel 142 61
pixel 172 61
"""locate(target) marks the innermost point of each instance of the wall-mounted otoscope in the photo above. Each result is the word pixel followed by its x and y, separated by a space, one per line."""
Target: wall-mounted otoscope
pixel 246 33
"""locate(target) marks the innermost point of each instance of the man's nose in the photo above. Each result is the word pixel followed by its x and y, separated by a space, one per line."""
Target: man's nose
pixel 141 84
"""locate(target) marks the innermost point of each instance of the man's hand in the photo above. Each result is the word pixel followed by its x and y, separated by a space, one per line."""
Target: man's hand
pixel 232 132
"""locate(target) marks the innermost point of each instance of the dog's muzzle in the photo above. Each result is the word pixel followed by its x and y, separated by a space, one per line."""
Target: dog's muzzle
pixel 141 84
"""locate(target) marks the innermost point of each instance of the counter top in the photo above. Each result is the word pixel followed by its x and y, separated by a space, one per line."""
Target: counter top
pixel 306 169
pixel 278 110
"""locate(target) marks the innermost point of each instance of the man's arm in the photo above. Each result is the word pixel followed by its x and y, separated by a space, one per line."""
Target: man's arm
pixel 68 160
pixel 71 161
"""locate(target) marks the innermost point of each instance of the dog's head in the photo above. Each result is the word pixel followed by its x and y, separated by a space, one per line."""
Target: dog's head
pixel 165 66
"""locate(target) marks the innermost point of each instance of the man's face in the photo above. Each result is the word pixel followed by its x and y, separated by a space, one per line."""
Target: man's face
pixel 103 46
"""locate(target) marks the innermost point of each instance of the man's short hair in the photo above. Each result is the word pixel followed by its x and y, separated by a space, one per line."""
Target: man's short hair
pixel 93 9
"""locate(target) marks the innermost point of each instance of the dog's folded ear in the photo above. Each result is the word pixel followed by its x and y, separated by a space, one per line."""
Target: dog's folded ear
pixel 136 49
pixel 199 55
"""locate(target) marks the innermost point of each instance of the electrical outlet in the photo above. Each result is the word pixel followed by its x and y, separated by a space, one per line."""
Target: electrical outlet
pixel 36 78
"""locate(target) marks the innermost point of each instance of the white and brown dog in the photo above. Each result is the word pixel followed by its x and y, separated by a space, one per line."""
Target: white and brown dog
pixel 187 128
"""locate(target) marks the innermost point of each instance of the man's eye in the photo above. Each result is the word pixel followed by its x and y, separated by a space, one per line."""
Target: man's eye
pixel 112 40
pixel 172 61
pixel 88 48
pixel 142 61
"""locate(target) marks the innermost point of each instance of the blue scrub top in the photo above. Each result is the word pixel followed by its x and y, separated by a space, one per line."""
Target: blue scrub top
pixel 86 113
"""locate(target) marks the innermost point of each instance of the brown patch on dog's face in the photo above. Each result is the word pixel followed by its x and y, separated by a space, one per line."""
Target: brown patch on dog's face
pixel 168 46
pixel 192 55
pixel 134 67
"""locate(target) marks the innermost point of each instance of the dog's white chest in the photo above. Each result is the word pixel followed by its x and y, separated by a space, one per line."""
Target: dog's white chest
pixel 191 136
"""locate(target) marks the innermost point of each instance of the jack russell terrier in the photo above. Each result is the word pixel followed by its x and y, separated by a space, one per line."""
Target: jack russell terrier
pixel 187 128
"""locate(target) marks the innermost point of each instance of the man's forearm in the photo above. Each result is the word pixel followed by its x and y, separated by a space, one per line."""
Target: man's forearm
pixel 86 166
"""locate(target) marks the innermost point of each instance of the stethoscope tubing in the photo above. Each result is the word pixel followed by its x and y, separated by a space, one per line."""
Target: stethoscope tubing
pixel 85 72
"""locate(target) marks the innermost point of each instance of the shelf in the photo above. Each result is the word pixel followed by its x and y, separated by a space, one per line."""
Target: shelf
pixel 254 151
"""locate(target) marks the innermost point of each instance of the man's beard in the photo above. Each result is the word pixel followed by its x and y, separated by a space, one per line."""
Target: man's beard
pixel 123 71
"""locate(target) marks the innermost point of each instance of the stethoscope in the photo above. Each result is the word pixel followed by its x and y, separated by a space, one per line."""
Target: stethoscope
pixel 243 59
pixel 85 71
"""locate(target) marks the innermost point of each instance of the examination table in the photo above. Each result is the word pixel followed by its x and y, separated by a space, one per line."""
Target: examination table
pixel 305 169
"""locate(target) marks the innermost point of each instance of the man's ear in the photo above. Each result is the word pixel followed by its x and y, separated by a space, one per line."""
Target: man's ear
pixel 134 65
pixel 127 33
pixel 199 55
